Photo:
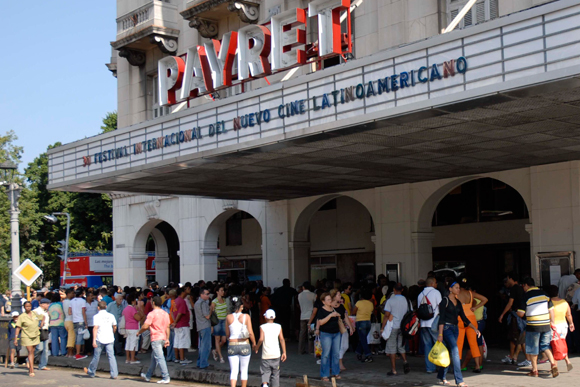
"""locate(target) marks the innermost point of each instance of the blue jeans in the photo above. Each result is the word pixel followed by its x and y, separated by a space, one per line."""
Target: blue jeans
pixel 330 353
pixel 79 339
pixel 363 328
pixel 450 334
pixel 170 351
pixel 110 348
pixel 204 347
pixel 537 342
pixel 57 333
pixel 42 352
pixel 428 339
pixel 157 358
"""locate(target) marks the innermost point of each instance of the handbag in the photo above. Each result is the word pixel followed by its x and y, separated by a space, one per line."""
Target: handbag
pixel 43 334
pixel 244 334
pixel 559 346
pixel 317 347
pixel 341 326
pixel 121 327
pixel 213 319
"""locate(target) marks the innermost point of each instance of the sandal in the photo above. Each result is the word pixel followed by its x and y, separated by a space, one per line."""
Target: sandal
pixel 391 373
pixel 533 374
pixel 555 372
pixel 325 380
pixel 463 384
pixel 337 377
pixel 31 374
pixel 443 382
pixel 569 366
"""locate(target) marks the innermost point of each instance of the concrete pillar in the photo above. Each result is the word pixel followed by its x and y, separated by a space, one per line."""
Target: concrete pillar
pixel 423 254
pixel 137 266
pixel 299 266
pixel 162 269
pixel 209 259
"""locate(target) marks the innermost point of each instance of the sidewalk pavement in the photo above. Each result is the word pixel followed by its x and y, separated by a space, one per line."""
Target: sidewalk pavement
pixel 357 374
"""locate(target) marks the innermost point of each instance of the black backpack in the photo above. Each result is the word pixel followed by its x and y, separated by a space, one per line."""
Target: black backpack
pixel 425 310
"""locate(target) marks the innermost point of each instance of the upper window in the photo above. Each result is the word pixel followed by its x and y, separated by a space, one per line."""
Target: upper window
pixel 482 11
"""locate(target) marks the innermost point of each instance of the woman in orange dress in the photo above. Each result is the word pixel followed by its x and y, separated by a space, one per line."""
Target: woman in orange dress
pixel 466 296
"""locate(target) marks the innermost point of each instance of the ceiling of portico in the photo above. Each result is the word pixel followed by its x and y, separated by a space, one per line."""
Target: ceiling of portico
pixel 515 129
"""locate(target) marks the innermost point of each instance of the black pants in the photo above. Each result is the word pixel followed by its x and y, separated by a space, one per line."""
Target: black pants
pixel 119 344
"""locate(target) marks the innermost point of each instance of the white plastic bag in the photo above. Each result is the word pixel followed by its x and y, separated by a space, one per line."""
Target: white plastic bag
pixel 374 336
pixel 387 331
pixel 86 334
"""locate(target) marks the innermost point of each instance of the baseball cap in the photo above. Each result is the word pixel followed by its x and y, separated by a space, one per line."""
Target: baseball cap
pixel 270 314
pixel 14 314
pixel 45 301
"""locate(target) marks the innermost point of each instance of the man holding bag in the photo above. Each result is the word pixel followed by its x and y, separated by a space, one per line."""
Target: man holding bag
pixel 395 309
pixel 429 334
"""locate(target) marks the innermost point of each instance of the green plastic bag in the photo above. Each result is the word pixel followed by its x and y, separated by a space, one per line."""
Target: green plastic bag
pixel 439 355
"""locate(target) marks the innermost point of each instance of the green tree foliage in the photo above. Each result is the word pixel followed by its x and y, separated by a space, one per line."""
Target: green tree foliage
pixel 91 214
pixel 109 122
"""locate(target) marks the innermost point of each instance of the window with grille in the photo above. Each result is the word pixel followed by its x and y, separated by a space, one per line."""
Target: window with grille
pixel 482 11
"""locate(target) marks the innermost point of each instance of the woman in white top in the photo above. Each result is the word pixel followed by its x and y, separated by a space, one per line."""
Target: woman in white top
pixel 239 331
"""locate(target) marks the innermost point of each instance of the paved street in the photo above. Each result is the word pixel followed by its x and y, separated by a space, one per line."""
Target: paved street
pixel 67 377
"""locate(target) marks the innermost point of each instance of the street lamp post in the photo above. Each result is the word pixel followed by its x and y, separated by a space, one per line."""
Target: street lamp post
pixel 13 192
pixel 52 219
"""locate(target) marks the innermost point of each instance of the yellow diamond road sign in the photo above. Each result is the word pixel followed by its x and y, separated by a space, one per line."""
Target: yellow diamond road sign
pixel 28 272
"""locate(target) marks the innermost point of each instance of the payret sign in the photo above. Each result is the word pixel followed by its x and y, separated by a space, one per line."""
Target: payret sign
pixel 210 67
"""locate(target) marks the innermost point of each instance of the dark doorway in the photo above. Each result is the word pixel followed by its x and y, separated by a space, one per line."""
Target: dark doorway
pixel 172 248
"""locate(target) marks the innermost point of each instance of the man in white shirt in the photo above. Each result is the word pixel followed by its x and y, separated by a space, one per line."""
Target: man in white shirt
pixel 306 300
pixel 395 309
pixel 103 337
pixel 42 349
pixel 78 308
pixel 566 281
pixel 92 308
pixel 428 337
pixel 68 324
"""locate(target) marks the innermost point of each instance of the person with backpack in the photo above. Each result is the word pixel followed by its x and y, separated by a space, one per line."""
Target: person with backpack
pixel 451 310
pixel 427 312
pixel 395 309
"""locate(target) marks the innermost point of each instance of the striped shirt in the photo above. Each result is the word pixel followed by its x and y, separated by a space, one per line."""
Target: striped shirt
pixel 220 309
pixel 536 305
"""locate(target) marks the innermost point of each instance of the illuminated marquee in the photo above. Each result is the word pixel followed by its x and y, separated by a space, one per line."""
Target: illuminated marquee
pixel 211 67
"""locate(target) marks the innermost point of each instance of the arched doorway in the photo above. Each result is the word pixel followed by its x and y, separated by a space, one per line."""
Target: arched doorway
pixel 334 239
pixel 234 238
pixel 157 243
pixel 480 232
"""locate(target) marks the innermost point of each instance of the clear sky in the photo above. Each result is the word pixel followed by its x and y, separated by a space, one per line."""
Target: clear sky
pixel 53 79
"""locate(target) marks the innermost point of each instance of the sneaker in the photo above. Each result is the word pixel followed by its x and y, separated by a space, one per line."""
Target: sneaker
pixel 163 381
pixel 318 361
pixel 215 355
pixel 507 360
pixel 369 360
pixel 223 361
pixel 176 361
pixel 184 362
pixel 144 377
pixel 135 362
pixel 80 357
pixel 11 365
pixel 192 350
pixel 525 363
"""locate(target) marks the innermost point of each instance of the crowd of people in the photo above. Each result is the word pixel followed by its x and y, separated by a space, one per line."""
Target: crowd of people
pixel 370 317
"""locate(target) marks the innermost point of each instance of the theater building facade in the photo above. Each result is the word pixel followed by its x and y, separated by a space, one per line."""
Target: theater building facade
pixel 263 140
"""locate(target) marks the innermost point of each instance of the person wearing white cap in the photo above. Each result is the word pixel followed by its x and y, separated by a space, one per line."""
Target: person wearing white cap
pixel 14 348
pixel 270 335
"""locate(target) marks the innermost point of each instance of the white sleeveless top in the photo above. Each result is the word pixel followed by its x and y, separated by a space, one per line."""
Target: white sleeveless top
pixel 236 326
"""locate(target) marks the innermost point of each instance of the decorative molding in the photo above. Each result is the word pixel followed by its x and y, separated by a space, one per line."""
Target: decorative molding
pixel 206 28
pixel 112 68
pixel 142 35
pixel 166 45
pixel 134 57
pixel 229 204
pixel 114 196
pixel 247 12
pixel 529 228
pixel 151 209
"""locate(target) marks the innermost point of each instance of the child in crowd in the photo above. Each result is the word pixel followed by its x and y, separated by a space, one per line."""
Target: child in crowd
pixel 14 349
pixel 270 335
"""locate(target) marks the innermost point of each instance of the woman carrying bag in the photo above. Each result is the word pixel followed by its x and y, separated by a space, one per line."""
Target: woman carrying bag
pixel 28 326
pixel 450 310
pixel 328 328
pixel 240 333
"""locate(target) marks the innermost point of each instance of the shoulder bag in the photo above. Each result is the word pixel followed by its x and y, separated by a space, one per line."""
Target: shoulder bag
pixel 341 326
pixel 245 334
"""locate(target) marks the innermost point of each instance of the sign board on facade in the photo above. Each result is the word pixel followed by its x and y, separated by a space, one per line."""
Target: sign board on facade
pixel 28 272
pixel 101 264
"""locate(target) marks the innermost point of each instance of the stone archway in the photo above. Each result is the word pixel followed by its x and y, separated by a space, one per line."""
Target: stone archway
pixel 138 256
pixel 300 245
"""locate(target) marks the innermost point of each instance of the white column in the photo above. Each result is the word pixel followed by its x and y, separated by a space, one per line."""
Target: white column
pixel 15 253
pixel 162 269
pixel 137 265
pixel 209 259
pixel 533 264
pixel 423 254
pixel 299 265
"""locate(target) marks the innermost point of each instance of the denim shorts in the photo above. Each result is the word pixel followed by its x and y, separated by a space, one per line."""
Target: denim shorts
pixel 220 329
pixel 537 342
pixel 239 350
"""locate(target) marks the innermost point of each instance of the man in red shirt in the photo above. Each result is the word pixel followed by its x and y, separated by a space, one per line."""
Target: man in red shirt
pixel 182 339
pixel 157 323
